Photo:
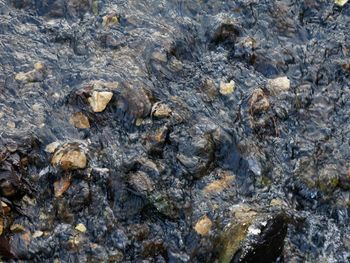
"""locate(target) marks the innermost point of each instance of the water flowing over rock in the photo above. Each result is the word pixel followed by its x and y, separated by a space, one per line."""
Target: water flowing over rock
pixel 174 131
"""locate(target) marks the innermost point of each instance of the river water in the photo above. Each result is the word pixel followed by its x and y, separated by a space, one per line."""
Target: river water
pixel 223 113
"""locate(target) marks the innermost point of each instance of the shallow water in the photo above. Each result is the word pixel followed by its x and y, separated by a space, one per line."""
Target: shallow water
pixel 146 182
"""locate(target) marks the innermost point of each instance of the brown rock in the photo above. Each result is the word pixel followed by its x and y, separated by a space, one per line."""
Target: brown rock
pixel 69 157
pixel 79 120
pixel 258 102
pixel 61 186
pixel 203 226
pixel 219 185
pixel 160 110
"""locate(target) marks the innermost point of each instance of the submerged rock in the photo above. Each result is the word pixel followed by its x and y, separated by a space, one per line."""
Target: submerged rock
pixel 35 75
pixel 258 102
pixel 160 110
pixel 69 157
pixel 203 226
pixel 227 88
pixel 278 85
pixel 99 100
pixel 80 121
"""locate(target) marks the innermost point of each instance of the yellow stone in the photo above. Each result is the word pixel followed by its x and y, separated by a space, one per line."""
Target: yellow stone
pixel 109 20
pixel 227 88
pixel 340 2
pixel 203 226
pixel 99 100
pixel 81 228
pixel 50 148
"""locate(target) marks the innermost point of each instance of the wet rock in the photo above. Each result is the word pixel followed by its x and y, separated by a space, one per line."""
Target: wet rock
pixel 278 85
pixel 209 89
pixel 227 88
pixel 99 100
pixel 203 226
pixel 163 204
pixel 265 240
pixel 17 228
pixel 80 121
pixel 37 234
pixel 197 155
pixel 62 185
pixel 156 140
pixel 80 227
pixel 258 102
pixel 153 248
pixel 35 75
pixel 160 110
pixel 79 196
pixel 340 2
pixel 115 256
pixel 234 233
pixel 51 148
pixel 252 236
pixel 225 33
pixel 69 156
pixel 219 185
pixel 140 232
pixel 132 103
pixel 110 20
pixel 141 182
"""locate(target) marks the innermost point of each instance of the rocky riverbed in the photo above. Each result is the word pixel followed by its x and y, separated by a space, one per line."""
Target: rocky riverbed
pixel 174 131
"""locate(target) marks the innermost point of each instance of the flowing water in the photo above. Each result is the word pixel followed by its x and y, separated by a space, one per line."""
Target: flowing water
pixel 228 149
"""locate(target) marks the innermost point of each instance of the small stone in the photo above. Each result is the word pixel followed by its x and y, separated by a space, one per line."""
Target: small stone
pixel 110 20
pixel 79 120
pixel 11 125
pixel 81 228
pixel 61 186
pixel 278 85
pixel 115 256
pixel 6 209
pixel 1 114
pixel 138 122
pixel 35 75
pixel 69 158
pixel 51 148
pixel 258 102
pixel 227 88
pixel 340 2
pixel 203 226
pixel 160 110
pixel 17 228
pixel 209 89
pixel 37 234
pixel 39 66
pixel 219 185
pixel 99 100
pixel 159 56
